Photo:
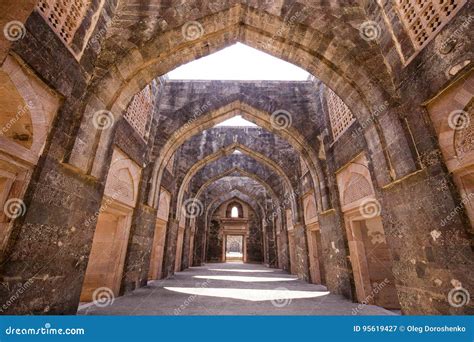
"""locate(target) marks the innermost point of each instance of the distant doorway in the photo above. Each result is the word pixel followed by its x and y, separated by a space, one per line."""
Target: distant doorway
pixel 234 248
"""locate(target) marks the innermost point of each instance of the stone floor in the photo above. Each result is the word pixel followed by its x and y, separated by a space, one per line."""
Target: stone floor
pixel 231 289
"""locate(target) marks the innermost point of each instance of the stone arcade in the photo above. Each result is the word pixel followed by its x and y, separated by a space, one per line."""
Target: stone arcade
pixel 357 181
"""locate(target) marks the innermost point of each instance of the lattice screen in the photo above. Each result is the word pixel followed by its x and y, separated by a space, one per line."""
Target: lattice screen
pixel 139 111
pixel 340 115
pixel 63 16
pixel 424 18
pixel 358 187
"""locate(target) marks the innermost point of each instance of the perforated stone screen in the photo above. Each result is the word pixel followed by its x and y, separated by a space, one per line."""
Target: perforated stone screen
pixel 63 16
pixel 339 114
pixel 424 18
pixel 358 187
pixel 139 110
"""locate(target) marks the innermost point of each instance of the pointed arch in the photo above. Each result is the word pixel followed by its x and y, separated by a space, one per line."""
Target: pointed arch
pixel 228 151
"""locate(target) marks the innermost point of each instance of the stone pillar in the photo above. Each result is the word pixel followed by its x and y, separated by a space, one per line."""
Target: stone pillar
pixel 48 251
pixel 137 262
pixel 301 251
pixel 170 248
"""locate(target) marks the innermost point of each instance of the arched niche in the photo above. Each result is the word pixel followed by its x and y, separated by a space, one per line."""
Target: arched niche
pixel 354 183
pixel 112 231
pixel 452 115
pixel 234 210
pixel 310 209
pixel 28 108
pixel 123 179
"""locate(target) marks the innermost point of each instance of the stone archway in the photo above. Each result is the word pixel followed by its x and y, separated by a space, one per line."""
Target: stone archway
pixel 227 151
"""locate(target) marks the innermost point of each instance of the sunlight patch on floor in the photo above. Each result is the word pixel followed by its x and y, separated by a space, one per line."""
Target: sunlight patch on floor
pixel 245 279
pixel 249 294
pixel 241 271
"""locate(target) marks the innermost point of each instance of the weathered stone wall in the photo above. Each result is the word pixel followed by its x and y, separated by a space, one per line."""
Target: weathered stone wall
pixel 214 241
pixel 254 240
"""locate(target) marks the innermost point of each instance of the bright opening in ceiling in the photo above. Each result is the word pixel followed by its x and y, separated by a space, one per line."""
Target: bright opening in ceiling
pixel 236 121
pixel 239 62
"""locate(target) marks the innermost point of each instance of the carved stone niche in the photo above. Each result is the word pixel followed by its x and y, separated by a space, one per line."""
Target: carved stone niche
pixel 164 205
pixel 123 179
pixel 355 184
pixel 109 246
pixel 369 252
pixel 451 113
pixel 28 107
pixel 310 210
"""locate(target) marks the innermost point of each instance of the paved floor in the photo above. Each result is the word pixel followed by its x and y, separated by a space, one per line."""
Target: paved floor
pixel 230 289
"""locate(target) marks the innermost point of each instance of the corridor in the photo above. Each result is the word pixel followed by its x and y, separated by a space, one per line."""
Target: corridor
pixel 145 143
pixel 230 289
